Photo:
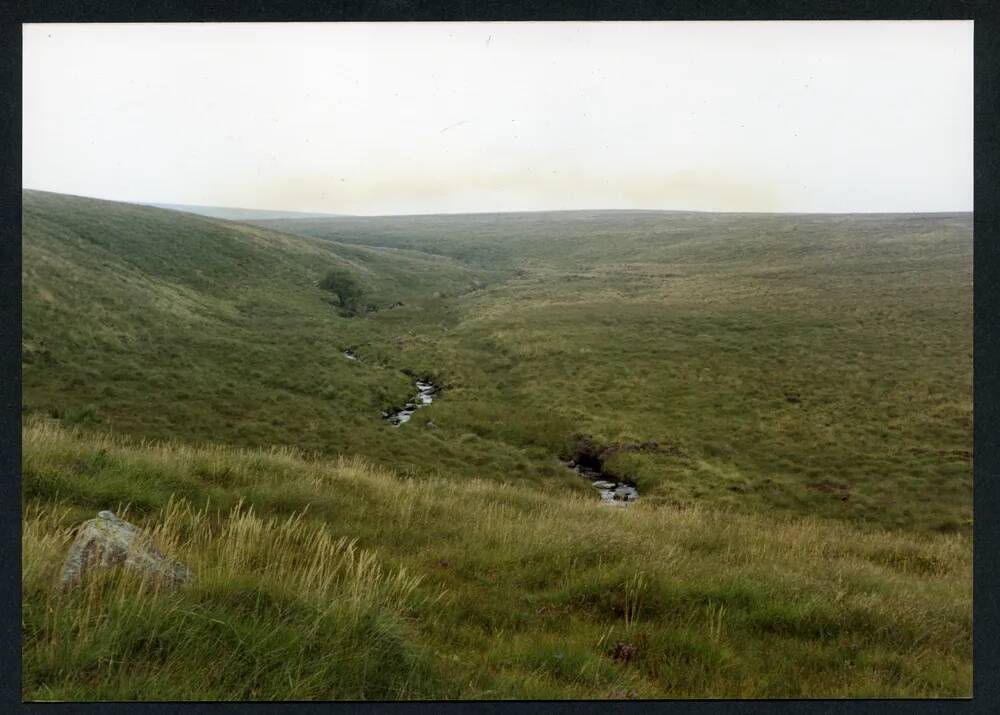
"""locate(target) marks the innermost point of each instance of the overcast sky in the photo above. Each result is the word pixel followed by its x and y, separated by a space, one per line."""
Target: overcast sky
pixel 455 117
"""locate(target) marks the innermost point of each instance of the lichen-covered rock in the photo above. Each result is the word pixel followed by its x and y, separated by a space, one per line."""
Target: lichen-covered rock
pixel 108 542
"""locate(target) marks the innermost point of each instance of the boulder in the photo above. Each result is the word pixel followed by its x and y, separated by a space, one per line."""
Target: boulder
pixel 108 542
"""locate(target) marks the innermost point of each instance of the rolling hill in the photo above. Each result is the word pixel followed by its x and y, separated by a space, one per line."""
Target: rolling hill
pixel 791 394
pixel 168 325
pixel 817 363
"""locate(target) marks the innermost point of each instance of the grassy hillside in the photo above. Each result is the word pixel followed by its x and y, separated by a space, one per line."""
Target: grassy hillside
pixel 801 386
pixel 804 364
pixel 809 364
pixel 582 239
pixel 339 580
pixel 164 324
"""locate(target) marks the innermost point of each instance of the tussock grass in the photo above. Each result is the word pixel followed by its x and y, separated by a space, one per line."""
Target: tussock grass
pixel 804 531
pixel 806 364
pixel 441 589
pixel 280 609
pixel 801 364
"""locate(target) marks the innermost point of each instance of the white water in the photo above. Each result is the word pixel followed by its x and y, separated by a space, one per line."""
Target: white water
pixel 424 397
pixel 612 493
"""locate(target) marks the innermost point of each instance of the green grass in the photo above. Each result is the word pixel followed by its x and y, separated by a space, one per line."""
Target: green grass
pixel 804 527
pixel 160 324
pixel 341 580
pixel 805 364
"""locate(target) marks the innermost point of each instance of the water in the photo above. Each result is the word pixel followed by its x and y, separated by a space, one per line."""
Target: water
pixel 612 493
pixel 424 397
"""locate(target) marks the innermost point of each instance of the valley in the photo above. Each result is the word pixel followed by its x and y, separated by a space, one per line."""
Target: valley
pixel 784 402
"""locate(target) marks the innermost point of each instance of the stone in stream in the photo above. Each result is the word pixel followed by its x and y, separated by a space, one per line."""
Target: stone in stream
pixel 107 541
pixel 424 397
pixel 612 493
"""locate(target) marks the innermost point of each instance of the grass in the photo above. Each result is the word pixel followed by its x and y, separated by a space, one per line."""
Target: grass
pixel 341 580
pixel 279 608
pixel 802 364
pixel 222 326
pixel 805 521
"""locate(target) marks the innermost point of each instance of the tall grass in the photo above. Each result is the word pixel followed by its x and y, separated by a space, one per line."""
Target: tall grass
pixel 803 531
pixel 279 609
pixel 800 364
pixel 335 579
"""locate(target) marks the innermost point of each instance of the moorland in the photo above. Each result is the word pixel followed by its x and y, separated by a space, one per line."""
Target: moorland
pixel 789 393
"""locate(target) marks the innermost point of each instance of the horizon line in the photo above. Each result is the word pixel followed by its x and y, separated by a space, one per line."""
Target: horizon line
pixel 331 214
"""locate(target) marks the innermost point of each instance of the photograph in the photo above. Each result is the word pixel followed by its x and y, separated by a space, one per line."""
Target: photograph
pixel 496 361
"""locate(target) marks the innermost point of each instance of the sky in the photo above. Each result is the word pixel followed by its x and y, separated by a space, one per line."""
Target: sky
pixel 404 118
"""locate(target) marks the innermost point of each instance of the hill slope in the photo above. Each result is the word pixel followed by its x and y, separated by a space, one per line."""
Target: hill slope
pixel 164 324
pixel 791 394
pixel 337 580
pixel 802 363
pixel 580 239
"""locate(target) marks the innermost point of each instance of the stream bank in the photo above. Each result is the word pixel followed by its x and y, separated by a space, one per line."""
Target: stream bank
pixel 426 390
pixel 588 462
pixel 613 492
pixel 425 396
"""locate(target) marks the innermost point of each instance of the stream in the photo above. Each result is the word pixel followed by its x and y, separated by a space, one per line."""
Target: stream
pixel 425 396
pixel 612 493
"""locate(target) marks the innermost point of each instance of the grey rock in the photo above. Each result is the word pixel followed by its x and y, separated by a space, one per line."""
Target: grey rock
pixel 108 542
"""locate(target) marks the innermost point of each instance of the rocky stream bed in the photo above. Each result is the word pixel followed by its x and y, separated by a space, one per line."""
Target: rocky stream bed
pixel 613 492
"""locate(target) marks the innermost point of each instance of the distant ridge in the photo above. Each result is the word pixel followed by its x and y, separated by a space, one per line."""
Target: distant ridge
pixel 236 214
